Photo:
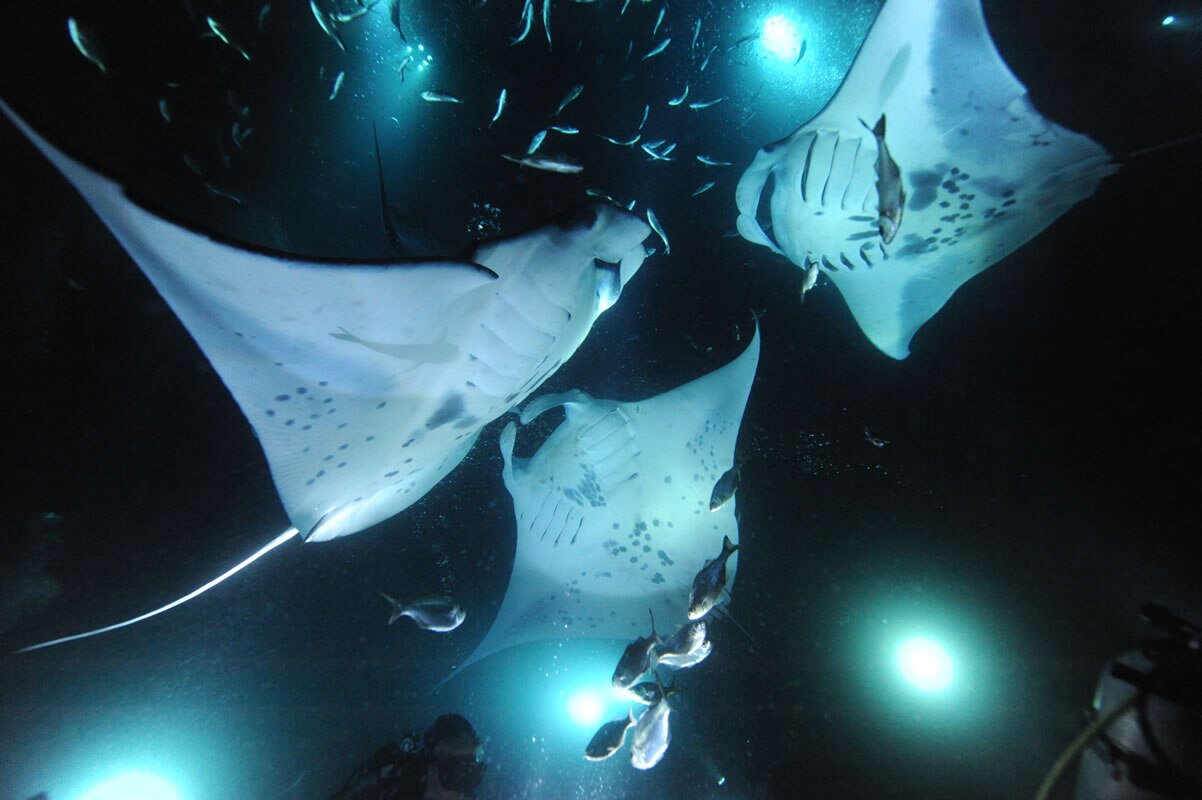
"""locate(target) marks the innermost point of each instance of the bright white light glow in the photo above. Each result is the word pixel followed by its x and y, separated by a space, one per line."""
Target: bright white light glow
pixel 781 37
pixel 141 785
pixel 585 708
pixel 925 664
pixel 1169 20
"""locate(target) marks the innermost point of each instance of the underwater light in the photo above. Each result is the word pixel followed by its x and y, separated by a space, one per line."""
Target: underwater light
pixel 585 708
pixel 1169 20
pixel 925 664
pixel 781 38
pixel 141 785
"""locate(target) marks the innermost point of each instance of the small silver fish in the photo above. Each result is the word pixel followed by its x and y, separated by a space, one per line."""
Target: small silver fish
pixel 696 33
pixel 547 21
pixel 220 33
pixel 263 12
pixel 646 113
pixel 572 94
pixel 85 43
pixel 500 107
pixel 601 195
pixel 891 195
pixel 690 659
pixel 653 221
pixel 337 85
pixel 567 130
pixel 810 280
pixel 652 735
pixel 712 162
pixel 626 143
pixel 326 24
pixel 685 648
pixel 705 104
pixel 536 142
pixel 224 195
pixel 708 55
pixel 662 10
pixel 191 164
pixel 609 738
pixel 872 438
pixel 238 134
pixel 164 110
pixel 675 101
pixel 440 614
pixel 725 488
pixel 709 582
pixel 527 20
pixel 435 96
pixel 655 154
pixel 404 65
pixel 637 659
pixel 705 187
pixel 561 164
pixel 659 48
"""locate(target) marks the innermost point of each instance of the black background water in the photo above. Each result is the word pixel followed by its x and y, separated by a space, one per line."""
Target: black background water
pixel 1037 489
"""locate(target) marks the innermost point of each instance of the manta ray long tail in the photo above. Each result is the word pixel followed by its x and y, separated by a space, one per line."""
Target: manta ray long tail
pixel 385 221
pixel 273 544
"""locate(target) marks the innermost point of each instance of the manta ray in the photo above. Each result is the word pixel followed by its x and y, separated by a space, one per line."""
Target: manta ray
pixel 981 171
pixel 367 382
pixel 613 510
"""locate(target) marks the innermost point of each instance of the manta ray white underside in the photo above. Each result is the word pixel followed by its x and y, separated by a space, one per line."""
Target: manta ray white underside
pixel 613 510
pixel 366 383
pixel 983 171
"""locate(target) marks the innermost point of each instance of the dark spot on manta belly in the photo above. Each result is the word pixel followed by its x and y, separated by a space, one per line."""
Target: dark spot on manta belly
pixel 452 407
pixel 924 186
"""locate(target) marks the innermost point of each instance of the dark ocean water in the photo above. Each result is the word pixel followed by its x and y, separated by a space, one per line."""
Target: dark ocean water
pixel 1038 486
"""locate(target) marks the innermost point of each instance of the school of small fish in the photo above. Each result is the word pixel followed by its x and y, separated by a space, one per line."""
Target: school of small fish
pixel 686 648
pixel 339 20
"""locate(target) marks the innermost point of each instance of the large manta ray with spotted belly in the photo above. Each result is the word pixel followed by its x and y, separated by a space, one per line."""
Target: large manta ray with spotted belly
pixel 367 382
pixel 982 171
pixel 613 510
